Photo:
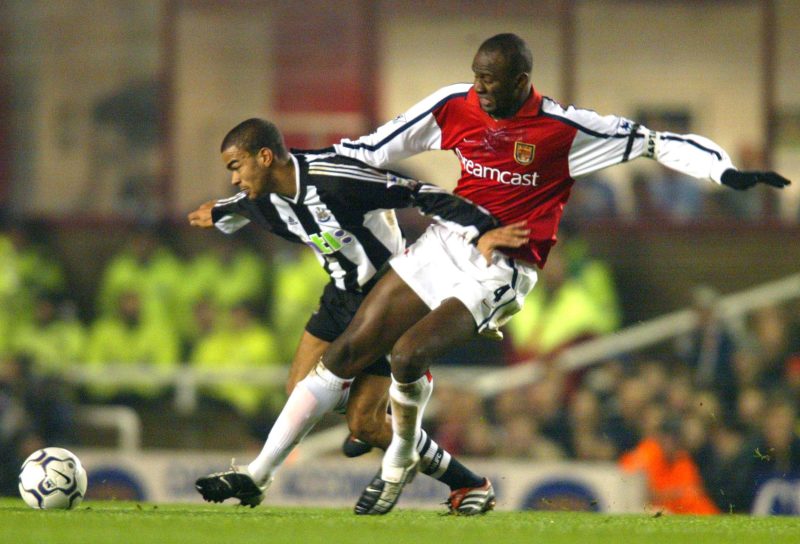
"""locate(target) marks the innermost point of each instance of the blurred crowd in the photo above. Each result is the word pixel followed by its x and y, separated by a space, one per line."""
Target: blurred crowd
pixel 707 420
pixel 715 411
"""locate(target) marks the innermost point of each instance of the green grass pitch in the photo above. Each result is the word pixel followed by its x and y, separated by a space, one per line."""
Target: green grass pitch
pixel 127 522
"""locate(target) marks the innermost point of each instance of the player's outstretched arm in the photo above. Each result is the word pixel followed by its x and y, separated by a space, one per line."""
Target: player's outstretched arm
pixel 508 236
pixel 201 217
pixel 744 180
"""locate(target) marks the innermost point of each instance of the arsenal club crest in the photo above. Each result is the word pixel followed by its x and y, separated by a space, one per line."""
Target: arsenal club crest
pixel 523 153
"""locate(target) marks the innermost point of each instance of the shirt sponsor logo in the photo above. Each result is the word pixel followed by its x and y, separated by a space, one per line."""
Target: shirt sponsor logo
pixel 523 153
pixel 327 243
pixel 503 176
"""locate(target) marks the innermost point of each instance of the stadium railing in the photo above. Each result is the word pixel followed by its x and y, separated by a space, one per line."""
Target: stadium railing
pixel 485 381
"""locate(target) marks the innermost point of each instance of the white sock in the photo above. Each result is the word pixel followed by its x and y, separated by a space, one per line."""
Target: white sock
pixel 408 404
pixel 317 394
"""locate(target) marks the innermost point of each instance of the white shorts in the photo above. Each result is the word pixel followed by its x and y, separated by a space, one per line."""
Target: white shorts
pixel 442 264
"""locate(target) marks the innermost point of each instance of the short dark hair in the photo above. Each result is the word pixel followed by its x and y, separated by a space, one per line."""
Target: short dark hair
pixel 513 49
pixel 254 134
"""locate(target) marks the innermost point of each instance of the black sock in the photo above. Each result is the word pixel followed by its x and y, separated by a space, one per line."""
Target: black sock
pixel 439 464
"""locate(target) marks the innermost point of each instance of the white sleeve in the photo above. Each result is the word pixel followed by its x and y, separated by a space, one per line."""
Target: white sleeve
pixel 224 213
pixel 410 133
pixel 230 223
pixel 690 154
pixel 603 141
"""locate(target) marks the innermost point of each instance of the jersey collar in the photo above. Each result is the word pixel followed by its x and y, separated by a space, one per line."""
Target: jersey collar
pixel 299 193
pixel 530 108
pixel 532 105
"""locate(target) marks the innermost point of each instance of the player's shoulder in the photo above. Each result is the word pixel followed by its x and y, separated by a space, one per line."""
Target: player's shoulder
pixel 453 90
pixel 447 95
pixel 334 165
pixel 583 119
pixel 308 155
pixel 456 93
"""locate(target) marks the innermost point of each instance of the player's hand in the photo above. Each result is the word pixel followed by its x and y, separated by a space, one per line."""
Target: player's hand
pixel 514 235
pixel 201 217
pixel 744 180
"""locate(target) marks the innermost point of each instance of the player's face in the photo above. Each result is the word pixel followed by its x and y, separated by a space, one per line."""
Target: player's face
pixel 249 173
pixel 499 92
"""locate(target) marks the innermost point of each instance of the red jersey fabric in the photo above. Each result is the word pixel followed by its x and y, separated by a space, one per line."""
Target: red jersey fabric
pixel 523 167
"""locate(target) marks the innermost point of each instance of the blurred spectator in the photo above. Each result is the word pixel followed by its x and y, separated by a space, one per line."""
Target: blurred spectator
pixel 237 342
pixel 673 478
pixel 54 339
pixel 751 408
pixel 454 423
pixel 522 439
pixel 763 358
pixel 710 347
pixel 674 197
pixel 129 337
pixel 40 272
pixel 622 425
pixel 679 393
pixel 778 450
pixel 27 272
pixel 728 469
pixel 518 430
pixel 228 275
pixel 587 443
pixel 544 401
pixel 153 272
pixel 594 198
pixel 574 300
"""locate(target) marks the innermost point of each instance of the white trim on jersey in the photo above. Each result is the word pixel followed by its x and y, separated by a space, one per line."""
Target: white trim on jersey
pixel 410 133
pixel 606 140
pixel 318 168
pixel 231 222
pixel 231 199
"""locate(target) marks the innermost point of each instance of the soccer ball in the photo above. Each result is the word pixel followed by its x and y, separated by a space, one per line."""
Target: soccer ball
pixel 52 478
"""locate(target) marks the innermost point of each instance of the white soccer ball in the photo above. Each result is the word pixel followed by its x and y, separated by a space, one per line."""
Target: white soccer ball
pixel 52 478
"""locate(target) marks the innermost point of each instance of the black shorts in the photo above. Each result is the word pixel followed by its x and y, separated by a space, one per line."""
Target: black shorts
pixel 335 312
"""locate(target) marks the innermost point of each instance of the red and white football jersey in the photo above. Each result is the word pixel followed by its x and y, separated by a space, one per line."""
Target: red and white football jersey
pixel 523 167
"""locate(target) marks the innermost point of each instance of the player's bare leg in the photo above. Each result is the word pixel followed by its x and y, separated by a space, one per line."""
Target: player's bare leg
pixel 390 309
pixel 366 413
pixel 411 388
pixel 306 356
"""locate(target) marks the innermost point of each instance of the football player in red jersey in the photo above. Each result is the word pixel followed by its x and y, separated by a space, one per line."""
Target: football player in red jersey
pixel 520 153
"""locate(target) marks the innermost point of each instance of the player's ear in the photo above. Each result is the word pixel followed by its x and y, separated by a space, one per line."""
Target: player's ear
pixel 265 156
pixel 523 80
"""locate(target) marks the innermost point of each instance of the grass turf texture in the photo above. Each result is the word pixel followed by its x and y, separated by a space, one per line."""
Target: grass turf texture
pixel 127 522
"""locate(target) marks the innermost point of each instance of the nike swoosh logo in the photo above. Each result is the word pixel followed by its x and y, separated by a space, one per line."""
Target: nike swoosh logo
pixel 67 478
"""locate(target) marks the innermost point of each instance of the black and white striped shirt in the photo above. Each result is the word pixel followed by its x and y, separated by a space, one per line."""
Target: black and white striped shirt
pixel 343 210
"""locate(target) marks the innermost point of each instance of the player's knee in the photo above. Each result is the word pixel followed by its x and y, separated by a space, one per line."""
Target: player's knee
pixel 410 360
pixel 351 352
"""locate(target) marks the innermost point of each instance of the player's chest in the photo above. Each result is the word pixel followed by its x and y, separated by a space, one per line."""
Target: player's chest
pixel 310 221
pixel 520 147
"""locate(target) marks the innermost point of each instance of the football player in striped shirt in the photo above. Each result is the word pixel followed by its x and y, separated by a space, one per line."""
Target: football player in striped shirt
pixel 343 210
